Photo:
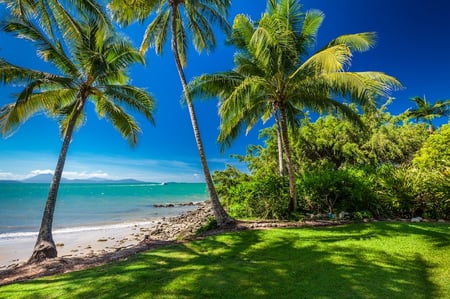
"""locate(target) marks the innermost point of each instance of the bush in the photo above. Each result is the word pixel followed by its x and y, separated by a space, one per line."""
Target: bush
pixel 331 191
pixel 264 197
pixel 409 192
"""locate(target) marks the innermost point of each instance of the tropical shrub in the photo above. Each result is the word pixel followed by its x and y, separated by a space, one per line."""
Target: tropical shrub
pixel 409 192
pixel 435 152
pixel 329 190
pixel 246 196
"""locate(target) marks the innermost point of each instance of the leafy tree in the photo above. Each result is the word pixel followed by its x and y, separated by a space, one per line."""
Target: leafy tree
pixel 91 65
pixel 334 142
pixel 273 78
pixel 435 153
pixel 183 20
pixel 427 112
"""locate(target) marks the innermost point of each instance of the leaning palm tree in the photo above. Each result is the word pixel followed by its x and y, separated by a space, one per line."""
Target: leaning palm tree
pixel 427 112
pixel 183 20
pixel 91 65
pixel 275 77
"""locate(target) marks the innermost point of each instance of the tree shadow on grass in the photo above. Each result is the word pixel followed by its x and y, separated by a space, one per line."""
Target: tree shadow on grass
pixel 285 263
pixel 436 234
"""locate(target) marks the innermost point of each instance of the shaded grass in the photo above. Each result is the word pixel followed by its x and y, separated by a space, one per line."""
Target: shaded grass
pixel 379 260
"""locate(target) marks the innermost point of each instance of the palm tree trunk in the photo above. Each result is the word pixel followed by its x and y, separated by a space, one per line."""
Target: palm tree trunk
pixel 221 216
pixel 290 168
pixel 45 247
pixel 279 142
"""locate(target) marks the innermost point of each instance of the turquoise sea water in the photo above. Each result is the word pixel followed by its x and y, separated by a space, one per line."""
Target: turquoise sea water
pixel 81 206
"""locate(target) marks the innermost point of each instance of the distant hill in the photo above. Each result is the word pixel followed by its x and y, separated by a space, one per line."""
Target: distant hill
pixel 47 178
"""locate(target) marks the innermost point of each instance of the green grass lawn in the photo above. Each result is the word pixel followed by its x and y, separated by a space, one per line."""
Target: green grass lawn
pixel 379 260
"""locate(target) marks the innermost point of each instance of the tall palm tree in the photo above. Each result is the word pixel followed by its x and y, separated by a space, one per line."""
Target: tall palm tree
pixel 183 20
pixel 91 65
pixel 275 76
pixel 427 112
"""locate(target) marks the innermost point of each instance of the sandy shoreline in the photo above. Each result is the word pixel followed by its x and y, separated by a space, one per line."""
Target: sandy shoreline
pixel 82 243
pixel 85 249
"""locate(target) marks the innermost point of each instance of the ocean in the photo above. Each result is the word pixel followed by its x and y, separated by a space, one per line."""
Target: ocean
pixel 91 206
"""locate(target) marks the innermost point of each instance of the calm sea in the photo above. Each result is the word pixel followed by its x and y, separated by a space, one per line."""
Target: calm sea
pixel 87 206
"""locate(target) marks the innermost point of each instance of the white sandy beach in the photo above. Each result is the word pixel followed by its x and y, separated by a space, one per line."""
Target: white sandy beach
pixel 78 243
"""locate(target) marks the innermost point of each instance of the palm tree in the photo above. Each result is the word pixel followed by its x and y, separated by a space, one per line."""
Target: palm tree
pixel 92 66
pixel 184 19
pixel 427 112
pixel 275 77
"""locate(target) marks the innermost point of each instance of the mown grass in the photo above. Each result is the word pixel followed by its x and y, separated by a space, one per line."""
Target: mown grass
pixel 379 260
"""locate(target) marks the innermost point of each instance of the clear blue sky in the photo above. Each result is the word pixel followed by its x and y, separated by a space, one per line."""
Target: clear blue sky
pixel 413 45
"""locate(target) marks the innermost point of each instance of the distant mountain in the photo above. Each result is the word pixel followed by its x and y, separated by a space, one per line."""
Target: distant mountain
pixel 40 178
pixel 47 178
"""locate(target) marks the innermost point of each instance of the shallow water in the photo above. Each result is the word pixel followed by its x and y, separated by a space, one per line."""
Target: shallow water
pixel 88 206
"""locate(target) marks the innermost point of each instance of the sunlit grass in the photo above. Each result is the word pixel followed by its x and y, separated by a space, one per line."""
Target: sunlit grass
pixel 380 260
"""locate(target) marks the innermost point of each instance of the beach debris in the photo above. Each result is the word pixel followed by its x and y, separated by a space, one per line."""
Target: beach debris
pixel 59 244
pixel 102 240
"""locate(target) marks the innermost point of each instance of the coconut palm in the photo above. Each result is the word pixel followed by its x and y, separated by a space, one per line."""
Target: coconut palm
pixel 274 76
pixel 91 65
pixel 183 20
pixel 427 112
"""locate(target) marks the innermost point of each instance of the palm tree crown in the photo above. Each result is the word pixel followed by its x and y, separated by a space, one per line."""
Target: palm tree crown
pixel 194 21
pixel 427 112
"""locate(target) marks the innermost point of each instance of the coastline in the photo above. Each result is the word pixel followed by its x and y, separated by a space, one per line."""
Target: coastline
pixel 96 247
pixel 78 243
pixel 87 241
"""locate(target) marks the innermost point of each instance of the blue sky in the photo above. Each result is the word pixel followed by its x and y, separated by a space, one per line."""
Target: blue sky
pixel 413 45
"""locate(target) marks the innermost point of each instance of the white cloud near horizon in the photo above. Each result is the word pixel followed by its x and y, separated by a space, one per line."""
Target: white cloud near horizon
pixel 82 166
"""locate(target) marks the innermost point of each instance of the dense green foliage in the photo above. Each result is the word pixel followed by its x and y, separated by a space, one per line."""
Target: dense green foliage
pixel 435 153
pixel 379 260
pixel 387 168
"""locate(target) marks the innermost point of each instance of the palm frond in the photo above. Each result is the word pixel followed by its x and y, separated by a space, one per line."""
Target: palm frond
pixel 207 14
pixel 202 33
pixel 128 11
pixel 360 86
pixel 360 42
pixel 46 49
pixel 67 25
pixel 120 54
pixel 214 85
pixel 134 97
pixel 122 121
pixel 242 31
pixel 290 13
pixel 311 24
pixel 156 34
pixel 29 104
pixel 329 60
pixel 94 11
